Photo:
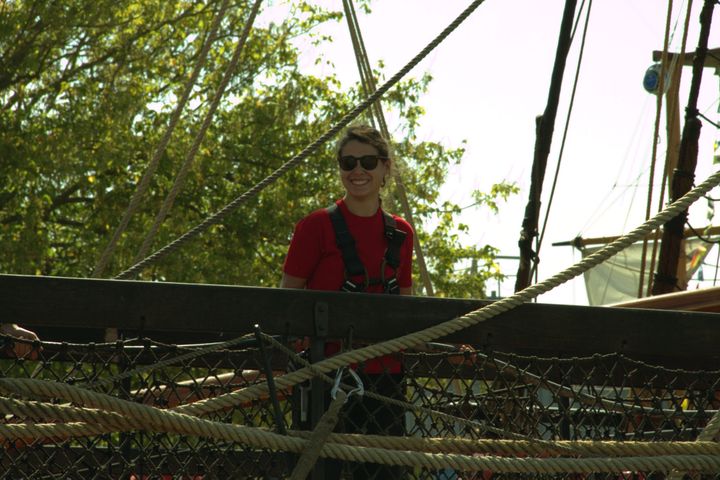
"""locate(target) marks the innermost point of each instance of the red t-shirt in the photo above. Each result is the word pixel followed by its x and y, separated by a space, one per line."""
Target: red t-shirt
pixel 314 256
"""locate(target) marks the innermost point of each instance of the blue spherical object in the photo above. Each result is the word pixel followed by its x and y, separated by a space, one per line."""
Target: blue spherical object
pixel 651 80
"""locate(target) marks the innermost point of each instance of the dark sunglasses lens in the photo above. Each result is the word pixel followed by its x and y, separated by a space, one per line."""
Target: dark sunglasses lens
pixel 347 163
pixel 368 162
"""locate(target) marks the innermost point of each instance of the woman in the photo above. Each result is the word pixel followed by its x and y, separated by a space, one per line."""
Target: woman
pixel 354 246
pixel 314 260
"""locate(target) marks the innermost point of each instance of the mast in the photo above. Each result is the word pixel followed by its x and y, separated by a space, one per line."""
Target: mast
pixel 666 280
pixel 545 124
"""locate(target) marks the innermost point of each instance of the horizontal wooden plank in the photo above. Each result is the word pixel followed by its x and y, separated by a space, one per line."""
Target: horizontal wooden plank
pixel 671 338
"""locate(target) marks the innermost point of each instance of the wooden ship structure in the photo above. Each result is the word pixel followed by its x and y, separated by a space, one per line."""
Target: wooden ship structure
pixel 544 385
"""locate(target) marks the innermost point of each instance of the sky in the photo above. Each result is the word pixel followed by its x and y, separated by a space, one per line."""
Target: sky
pixel 490 81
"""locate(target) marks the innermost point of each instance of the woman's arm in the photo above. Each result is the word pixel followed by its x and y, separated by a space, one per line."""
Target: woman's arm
pixel 288 281
pixel 20 349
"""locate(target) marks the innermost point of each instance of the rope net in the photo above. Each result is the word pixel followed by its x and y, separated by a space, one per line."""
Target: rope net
pixel 450 416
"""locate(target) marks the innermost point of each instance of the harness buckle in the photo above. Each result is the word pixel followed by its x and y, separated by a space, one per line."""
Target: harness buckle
pixel 392 287
pixel 351 287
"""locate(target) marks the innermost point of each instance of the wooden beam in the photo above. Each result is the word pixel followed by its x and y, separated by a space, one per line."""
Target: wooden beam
pixel 711 61
pixel 580 242
pixel 670 338
pixel 665 279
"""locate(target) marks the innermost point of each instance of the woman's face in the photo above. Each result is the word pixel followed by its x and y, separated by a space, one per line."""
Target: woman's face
pixel 359 182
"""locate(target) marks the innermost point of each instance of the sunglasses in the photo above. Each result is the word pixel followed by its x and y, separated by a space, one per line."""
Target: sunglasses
pixel 367 162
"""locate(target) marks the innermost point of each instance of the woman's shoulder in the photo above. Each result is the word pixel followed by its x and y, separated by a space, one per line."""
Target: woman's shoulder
pixel 315 218
pixel 402 224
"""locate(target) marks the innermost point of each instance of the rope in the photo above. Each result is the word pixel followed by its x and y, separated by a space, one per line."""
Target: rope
pixel 164 363
pixel 297 159
pixel 160 149
pixel 368 81
pixel 413 407
pixel 459 323
pixel 318 438
pixel 544 128
pixel 684 175
pixel 465 446
pixel 716 125
pixel 140 417
pixel 360 60
pixel 193 426
pixel 98 422
pixel 190 157
pixel 679 60
pixel 653 157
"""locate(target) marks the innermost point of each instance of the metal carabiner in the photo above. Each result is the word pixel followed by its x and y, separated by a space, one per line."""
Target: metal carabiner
pixel 358 390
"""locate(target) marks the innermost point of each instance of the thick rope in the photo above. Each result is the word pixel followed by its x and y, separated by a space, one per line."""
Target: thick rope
pixel 160 149
pixel 708 434
pixel 190 157
pixel 474 424
pixel 148 418
pixel 191 426
pixel 459 323
pixel 220 215
pixel 85 421
pixel 318 438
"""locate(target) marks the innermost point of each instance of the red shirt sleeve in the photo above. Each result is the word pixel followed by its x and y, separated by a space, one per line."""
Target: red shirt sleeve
pixel 406 254
pixel 305 247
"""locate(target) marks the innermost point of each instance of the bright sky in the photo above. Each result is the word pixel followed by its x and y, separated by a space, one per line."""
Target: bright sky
pixel 491 79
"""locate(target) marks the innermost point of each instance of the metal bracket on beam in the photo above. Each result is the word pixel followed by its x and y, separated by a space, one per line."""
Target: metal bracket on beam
pixel 321 319
pixel 318 389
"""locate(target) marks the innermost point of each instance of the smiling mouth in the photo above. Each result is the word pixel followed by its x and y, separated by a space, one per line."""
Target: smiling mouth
pixel 360 182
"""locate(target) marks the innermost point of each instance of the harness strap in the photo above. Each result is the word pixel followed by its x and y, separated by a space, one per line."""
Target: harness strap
pixel 395 238
pixel 354 266
pixel 346 243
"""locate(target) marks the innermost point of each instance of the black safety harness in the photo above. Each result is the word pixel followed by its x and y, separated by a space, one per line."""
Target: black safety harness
pixel 353 265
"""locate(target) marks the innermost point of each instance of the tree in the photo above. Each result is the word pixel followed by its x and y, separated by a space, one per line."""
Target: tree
pixel 87 91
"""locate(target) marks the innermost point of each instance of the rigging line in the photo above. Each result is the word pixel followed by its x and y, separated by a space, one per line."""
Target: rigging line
pixel 190 157
pixel 544 128
pixel 708 120
pixel 687 161
pixel 717 266
pixel 162 145
pixel 677 71
pixel 677 20
pixel 700 236
pixel 565 131
pixel 653 155
pixel 369 79
pixel 305 153
pixel 369 76
pixel 577 21
pixel 192 354
pixel 353 27
pixel 364 67
pixel 538 241
pixel 616 186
